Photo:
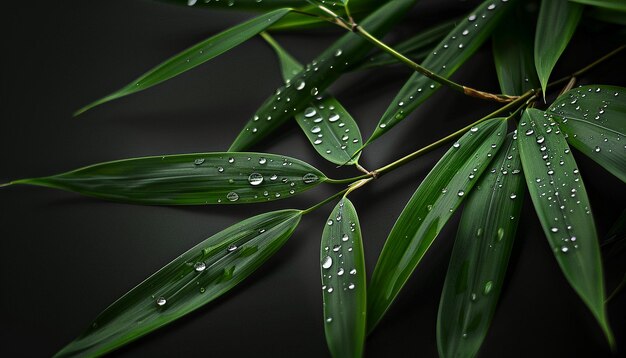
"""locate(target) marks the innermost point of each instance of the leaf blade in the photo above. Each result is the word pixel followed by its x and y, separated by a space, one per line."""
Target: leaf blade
pixel 480 256
pixel 592 117
pixel 430 207
pixel 190 179
pixel 560 200
pixel 192 280
pixel 330 65
pixel 604 4
pixel 513 53
pixel 556 24
pixel 458 46
pixel 195 56
pixel 330 128
pixel 342 266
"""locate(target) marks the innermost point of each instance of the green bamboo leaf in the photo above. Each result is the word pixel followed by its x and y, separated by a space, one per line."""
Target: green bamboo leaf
pixel 428 210
pixel 343 282
pixel 592 117
pixel 327 124
pixel 195 55
pixel 481 255
pixel 560 199
pixel 606 4
pixel 296 95
pixel 556 24
pixel 607 15
pixel 416 47
pixel 513 53
pixel 192 280
pixel 190 179
pixel 459 45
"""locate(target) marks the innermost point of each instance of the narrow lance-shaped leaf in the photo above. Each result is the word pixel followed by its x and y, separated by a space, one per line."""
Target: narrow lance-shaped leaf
pixel 447 57
pixel 195 55
pixel 594 121
pixel 513 52
pixel 428 210
pixel 190 179
pixel 556 24
pixel 606 4
pixel 416 47
pixel 329 127
pixel 192 280
pixel 296 95
pixel 481 254
pixel 560 199
pixel 343 282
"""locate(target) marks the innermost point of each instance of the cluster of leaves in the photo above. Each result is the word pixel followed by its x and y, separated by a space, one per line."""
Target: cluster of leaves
pixel 486 165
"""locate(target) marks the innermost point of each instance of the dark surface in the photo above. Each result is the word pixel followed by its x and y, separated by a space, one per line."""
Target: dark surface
pixel 65 257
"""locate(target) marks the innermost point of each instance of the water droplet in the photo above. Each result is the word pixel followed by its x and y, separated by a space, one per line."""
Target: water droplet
pixel 198 161
pixel 338 52
pixel 309 178
pixel 231 248
pixel 353 272
pixel 301 84
pixel 340 272
pixel 255 179
pixel 460 193
pixel 456 144
pixel 488 287
pixel 231 160
pixel 500 233
pixel 471 17
pixel 554 229
pixel 314 91
pixel 334 117
pixel 232 196
pixel 564 249
pixel 262 160
pixel 316 129
pixel 327 262
pixel 199 266
pixel 329 319
pixel 513 196
pixel 351 286
pixel 220 169
pixel 309 112
pixel 596 149
pixel 161 301
pixel 474 129
pixel 540 139
pixel 330 222
pixel 530 132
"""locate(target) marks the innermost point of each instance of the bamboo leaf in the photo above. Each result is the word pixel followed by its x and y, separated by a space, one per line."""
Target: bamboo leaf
pixel 592 117
pixel 560 199
pixel 513 53
pixel 195 55
pixel 428 210
pixel 606 4
pixel 416 47
pixel 190 179
pixel 296 95
pixel 327 124
pixel 556 24
pixel 459 45
pixel 192 280
pixel 343 282
pixel 481 254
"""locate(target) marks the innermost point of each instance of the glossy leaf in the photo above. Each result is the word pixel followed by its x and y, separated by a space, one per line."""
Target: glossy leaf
pixel 560 199
pixel 481 254
pixel 192 280
pixel 195 55
pixel 556 24
pixel 416 47
pixel 428 210
pixel 190 179
pixel 296 95
pixel 459 45
pixel 343 282
pixel 513 53
pixel 327 124
pixel 594 120
pixel 606 4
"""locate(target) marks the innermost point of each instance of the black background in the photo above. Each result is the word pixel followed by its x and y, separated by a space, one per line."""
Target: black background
pixel 65 257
